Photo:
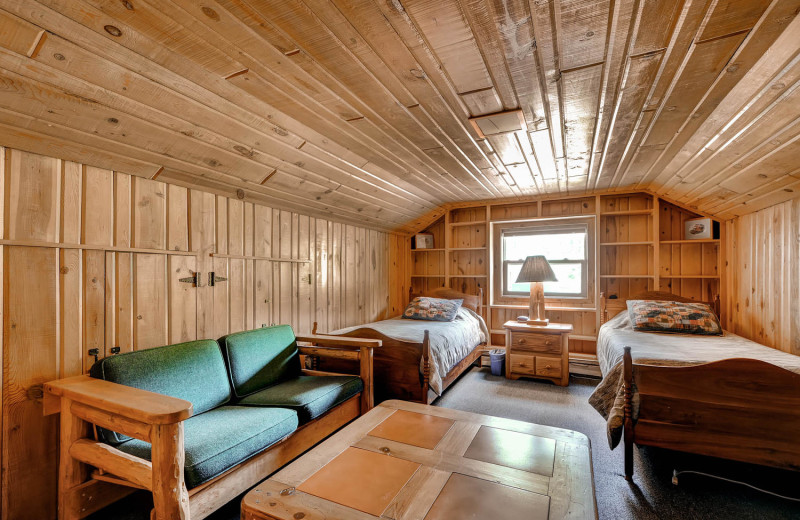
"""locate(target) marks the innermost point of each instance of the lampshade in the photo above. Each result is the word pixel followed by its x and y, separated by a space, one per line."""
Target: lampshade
pixel 536 269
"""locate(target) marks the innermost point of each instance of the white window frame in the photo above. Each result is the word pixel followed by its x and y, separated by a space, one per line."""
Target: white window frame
pixel 541 226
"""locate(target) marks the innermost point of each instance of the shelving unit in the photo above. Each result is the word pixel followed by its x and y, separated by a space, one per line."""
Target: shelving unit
pixel 690 268
pixel 627 243
pixel 640 246
pixel 460 257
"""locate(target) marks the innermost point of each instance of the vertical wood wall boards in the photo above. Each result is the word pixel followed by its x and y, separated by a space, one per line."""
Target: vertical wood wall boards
pixel 126 242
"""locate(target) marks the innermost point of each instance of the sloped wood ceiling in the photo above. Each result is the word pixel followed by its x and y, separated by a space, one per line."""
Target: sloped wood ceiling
pixel 358 109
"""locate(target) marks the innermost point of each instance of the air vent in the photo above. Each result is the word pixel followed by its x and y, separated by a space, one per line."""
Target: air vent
pixel 499 123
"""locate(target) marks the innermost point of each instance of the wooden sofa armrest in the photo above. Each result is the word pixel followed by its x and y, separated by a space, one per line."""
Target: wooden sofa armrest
pixel 342 342
pixel 131 403
pixel 356 349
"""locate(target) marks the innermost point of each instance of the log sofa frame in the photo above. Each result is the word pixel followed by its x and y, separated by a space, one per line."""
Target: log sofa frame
pixel 739 409
pixel 402 368
pixel 93 474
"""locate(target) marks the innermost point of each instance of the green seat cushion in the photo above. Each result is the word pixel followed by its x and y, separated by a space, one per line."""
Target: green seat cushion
pixel 219 439
pixel 309 396
pixel 260 358
pixel 194 371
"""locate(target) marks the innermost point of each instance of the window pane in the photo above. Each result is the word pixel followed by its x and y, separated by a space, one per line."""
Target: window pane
pixel 569 277
pixel 554 246
pixel 513 272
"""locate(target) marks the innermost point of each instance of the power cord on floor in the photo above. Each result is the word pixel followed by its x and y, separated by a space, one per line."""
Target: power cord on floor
pixel 675 474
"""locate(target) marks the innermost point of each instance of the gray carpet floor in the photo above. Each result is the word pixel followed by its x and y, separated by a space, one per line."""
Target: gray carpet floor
pixel 651 496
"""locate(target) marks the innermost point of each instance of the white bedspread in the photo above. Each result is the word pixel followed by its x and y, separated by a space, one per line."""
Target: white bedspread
pixel 664 349
pixel 450 341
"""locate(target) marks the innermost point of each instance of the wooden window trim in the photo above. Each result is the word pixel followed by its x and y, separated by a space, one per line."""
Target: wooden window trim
pixel 497 231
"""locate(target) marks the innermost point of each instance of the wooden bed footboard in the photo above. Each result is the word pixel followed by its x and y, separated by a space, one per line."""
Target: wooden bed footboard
pixel 396 368
pixel 739 409
pixel 401 369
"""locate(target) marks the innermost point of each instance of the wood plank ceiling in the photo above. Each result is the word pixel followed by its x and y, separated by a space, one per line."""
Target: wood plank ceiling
pixel 358 109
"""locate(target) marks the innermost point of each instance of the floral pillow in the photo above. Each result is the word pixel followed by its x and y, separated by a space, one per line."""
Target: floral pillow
pixel 432 309
pixel 663 316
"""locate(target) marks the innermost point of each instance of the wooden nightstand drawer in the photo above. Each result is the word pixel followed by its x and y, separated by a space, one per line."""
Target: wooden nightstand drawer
pixel 522 364
pixel 548 366
pixel 548 343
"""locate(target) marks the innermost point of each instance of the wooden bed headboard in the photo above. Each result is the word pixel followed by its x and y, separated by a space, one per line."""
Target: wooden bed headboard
pixel 473 302
pixel 611 307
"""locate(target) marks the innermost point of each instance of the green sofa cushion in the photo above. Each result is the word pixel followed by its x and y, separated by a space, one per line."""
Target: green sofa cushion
pixel 309 396
pixel 260 358
pixel 194 371
pixel 219 439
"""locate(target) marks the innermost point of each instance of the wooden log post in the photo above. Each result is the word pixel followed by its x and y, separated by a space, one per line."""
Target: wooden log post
pixel 365 364
pixel 72 473
pixel 627 378
pixel 426 365
pixel 170 497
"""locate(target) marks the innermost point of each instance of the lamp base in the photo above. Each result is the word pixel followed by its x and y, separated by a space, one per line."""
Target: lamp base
pixel 539 323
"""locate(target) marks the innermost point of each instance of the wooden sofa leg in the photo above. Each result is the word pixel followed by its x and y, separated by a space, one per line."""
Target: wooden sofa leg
pixel 170 497
pixel 71 473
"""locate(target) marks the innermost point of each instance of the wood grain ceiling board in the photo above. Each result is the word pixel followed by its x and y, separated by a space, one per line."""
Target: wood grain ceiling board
pixel 361 107
pixel 19 35
pixel 582 32
pixel 639 74
pixel 513 21
pixel 451 39
pixel 740 147
pixel 743 76
pixel 581 88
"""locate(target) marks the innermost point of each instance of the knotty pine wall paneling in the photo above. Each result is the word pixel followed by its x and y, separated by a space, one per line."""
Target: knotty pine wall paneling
pixel 91 259
pixel 763 276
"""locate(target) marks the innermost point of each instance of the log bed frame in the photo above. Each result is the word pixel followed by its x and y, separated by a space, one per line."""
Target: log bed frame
pixel 396 368
pixel 740 409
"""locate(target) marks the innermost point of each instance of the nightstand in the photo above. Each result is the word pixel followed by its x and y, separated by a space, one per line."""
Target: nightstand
pixel 538 351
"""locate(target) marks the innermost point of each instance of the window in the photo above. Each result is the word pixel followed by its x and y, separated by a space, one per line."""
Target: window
pixel 566 248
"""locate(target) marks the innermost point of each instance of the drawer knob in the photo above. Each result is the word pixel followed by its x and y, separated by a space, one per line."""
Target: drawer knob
pixel 548 342
pixel 522 341
pixel 548 367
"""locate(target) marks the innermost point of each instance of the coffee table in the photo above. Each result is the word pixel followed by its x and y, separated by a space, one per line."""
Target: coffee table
pixel 409 461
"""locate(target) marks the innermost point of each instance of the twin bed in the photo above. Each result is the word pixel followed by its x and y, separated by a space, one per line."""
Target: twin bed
pixel 419 359
pixel 723 396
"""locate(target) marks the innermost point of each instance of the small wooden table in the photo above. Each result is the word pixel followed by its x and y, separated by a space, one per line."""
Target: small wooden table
pixel 409 461
pixel 540 351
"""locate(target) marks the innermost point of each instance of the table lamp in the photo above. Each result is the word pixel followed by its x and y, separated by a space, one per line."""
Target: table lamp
pixel 536 270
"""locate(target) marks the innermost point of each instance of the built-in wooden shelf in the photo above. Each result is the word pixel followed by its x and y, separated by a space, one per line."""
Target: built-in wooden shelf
pixel 467 249
pixel 698 241
pixel 690 276
pixel 428 250
pixel 626 212
pixel 643 243
pixel 468 276
pixel 627 276
pixel 471 223
pixel 547 308
pixel 427 276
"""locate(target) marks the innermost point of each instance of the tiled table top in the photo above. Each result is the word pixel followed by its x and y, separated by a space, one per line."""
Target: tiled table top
pixel 409 461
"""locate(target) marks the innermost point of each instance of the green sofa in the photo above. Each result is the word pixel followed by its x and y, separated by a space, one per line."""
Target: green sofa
pixel 246 394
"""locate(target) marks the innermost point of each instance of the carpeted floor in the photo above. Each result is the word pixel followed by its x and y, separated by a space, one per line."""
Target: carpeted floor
pixel 652 496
